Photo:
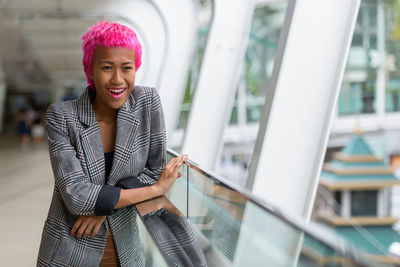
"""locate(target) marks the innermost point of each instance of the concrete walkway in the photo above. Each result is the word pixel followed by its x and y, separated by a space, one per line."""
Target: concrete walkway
pixel 25 193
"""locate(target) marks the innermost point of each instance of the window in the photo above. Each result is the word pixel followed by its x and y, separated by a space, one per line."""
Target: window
pixel 364 203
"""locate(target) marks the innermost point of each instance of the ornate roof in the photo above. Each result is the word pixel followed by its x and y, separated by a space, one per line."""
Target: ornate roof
pixel 356 167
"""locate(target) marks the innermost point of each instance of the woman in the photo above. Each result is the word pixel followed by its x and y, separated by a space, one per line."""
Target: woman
pixel 107 151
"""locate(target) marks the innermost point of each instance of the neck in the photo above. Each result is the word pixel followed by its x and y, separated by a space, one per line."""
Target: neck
pixel 104 113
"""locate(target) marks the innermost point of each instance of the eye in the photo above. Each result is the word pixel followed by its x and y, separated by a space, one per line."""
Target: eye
pixel 128 68
pixel 106 68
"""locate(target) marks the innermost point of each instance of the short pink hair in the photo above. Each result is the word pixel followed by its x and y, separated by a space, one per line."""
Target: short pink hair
pixel 106 34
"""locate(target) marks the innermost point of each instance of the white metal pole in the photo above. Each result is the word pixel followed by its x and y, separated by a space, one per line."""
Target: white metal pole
pixel 218 80
pixel 304 88
pixel 181 18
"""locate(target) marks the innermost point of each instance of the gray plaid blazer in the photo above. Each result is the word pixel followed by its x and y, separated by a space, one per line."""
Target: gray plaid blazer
pixel 77 159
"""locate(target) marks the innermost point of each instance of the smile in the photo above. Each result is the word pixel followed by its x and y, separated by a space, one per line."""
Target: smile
pixel 116 92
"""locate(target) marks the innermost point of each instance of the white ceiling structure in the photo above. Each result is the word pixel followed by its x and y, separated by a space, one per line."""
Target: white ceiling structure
pixel 41 38
pixel 41 47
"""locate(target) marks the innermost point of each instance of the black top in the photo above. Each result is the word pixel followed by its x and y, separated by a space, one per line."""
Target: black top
pixel 109 195
pixel 108 158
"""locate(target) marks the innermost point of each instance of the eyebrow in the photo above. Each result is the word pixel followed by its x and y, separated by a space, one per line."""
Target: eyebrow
pixel 112 63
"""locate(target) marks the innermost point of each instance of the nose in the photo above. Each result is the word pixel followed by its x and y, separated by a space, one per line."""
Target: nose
pixel 116 77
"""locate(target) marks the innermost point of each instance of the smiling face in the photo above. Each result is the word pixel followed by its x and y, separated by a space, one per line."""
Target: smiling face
pixel 113 76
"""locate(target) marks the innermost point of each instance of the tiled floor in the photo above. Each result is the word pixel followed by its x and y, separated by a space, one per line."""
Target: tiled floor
pixel 25 193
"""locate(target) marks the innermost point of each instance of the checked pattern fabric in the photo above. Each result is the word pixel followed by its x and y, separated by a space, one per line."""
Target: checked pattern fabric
pixel 77 159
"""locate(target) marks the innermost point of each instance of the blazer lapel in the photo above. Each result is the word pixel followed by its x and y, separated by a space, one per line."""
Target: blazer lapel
pixel 127 126
pixel 91 141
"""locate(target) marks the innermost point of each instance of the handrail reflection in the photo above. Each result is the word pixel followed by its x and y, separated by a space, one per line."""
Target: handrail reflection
pixel 171 232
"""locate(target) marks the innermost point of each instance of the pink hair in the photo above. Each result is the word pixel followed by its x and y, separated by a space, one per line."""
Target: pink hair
pixel 106 34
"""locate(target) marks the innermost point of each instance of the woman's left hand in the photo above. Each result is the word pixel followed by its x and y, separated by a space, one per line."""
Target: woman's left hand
pixel 87 225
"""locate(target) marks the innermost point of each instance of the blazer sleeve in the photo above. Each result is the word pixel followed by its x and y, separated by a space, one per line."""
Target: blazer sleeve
pixel 157 156
pixel 78 193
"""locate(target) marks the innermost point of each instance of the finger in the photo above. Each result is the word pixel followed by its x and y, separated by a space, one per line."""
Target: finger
pixel 178 165
pixel 179 158
pixel 81 230
pixel 185 157
pixel 169 168
pixel 88 230
pixel 75 226
pixel 178 161
pixel 174 172
pixel 95 229
pixel 172 161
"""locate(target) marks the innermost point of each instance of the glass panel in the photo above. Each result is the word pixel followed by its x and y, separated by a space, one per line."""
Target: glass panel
pixel 257 69
pixel 234 115
pixel 171 232
pixel 392 63
pixel 261 49
pixel 358 93
pixel 356 97
pixel 245 232
pixel 184 115
pixel 206 7
pixel 260 55
pixel 178 193
pixel 152 254
pixel 248 235
pixel 254 109
pixel 374 60
pixel 216 212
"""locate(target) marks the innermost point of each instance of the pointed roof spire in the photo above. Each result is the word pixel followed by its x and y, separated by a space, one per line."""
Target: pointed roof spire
pixel 357 146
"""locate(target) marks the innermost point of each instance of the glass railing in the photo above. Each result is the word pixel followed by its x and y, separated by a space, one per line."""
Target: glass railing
pixel 231 227
pixel 246 230
pixel 152 253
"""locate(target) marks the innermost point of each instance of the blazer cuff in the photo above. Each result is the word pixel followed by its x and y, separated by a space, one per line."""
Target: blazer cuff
pixel 106 201
pixel 129 183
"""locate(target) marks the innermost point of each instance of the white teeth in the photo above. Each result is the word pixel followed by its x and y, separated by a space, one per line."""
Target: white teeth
pixel 116 91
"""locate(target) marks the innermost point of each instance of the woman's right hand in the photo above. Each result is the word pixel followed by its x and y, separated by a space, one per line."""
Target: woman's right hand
pixel 169 174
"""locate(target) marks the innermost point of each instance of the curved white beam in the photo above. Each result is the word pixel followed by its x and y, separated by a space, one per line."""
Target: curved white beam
pixel 304 88
pixel 181 19
pixel 218 80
